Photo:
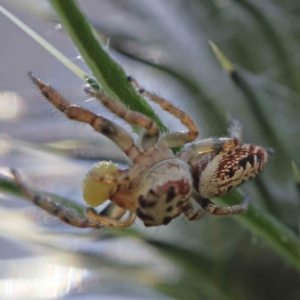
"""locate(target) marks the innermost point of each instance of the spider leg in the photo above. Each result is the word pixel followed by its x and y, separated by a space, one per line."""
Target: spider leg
pixel 109 222
pixel 151 134
pixel 211 208
pixel 111 130
pixel 113 211
pixel 191 213
pixel 65 214
pixel 177 138
pixel 196 150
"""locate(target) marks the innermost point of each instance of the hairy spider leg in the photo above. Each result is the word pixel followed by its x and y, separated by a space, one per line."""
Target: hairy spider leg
pixel 177 138
pixel 111 130
pixel 213 209
pixel 109 222
pixel 151 134
pixel 65 214
pixel 192 153
pixel 195 151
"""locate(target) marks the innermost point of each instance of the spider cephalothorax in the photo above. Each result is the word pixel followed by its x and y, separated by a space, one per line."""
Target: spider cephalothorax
pixel 159 186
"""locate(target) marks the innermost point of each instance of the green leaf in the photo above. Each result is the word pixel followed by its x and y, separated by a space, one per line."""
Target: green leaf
pixel 279 237
pixel 107 72
pixel 296 175
pixel 223 60
pixel 271 34
pixel 252 100
pixel 198 277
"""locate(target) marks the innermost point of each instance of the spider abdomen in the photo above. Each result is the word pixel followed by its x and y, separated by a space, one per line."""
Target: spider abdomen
pixel 164 190
pixel 222 172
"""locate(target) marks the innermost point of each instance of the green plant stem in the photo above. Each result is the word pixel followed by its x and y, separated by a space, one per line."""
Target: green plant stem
pixel 206 104
pixel 62 58
pixel 258 113
pixel 108 73
pixel 271 34
pixel 279 237
pixel 296 172
pixel 252 100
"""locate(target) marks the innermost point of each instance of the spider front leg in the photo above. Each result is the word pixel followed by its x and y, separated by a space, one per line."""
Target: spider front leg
pixel 108 128
pixel 177 138
pixel 195 151
pixel 211 208
pixel 65 214
pixel 151 134
pixel 109 222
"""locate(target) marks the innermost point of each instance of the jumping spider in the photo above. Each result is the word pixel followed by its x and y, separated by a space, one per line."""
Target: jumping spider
pixel 159 185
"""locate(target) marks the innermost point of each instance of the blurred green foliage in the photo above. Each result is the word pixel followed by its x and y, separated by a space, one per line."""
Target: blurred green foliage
pixel 218 258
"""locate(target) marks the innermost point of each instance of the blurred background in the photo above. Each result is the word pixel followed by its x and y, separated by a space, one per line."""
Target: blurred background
pixel 164 45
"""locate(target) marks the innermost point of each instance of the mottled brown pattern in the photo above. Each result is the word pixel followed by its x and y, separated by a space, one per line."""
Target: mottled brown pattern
pixel 198 168
pixel 180 203
pixel 143 216
pixel 181 187
pixel 171 193
pixel 226 170
pixel 239 158
pixel 261 158
pixel 144 203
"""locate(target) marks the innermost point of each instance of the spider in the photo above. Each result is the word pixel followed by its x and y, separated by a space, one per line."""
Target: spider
pixel 158 186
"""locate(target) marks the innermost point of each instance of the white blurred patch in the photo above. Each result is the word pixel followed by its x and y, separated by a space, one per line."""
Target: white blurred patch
pixel 10 105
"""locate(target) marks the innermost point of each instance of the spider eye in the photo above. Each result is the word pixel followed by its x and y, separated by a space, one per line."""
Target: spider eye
pixel 96 191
